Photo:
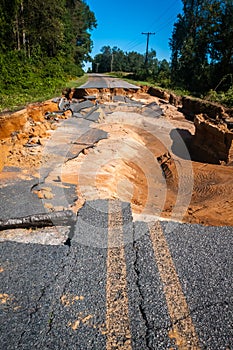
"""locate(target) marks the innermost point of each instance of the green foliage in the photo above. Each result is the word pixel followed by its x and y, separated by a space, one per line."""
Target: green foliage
pixel 42 44
pixel 224 98
pixel 38 90
pixel 202 46
pixel 77 82
pixel 114 59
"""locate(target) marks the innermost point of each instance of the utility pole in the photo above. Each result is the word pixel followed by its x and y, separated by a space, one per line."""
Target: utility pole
pixel 147 45
pixel 112 58
pixel 97 67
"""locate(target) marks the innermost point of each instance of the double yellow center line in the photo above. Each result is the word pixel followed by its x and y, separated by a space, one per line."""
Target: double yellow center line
pixel 117 304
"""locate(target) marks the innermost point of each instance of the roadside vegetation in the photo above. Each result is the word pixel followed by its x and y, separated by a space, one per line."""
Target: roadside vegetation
pixel 42 47
pixel 17 100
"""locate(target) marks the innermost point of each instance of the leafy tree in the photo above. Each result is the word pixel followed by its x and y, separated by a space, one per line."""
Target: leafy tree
pixel 221 47
pixel 114 59
pixel 118 61
pixel 8 24
pixel 49 27
pixel 43 26
pixel 135 62
pixel 82 20
pixel 152 63
pixel 102 62
pixel 42 43
pixel 201 44
pixel 164 73
pixel 188 45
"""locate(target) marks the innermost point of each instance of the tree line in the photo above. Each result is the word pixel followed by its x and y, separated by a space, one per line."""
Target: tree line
pixel 43 42
pixel 202 46
pixel 201 53
pixel 116 60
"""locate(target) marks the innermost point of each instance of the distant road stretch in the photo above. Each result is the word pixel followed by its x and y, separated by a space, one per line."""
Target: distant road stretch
pixel 100 81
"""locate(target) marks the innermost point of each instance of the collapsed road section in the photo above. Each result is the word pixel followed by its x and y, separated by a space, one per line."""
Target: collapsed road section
pixel 114 140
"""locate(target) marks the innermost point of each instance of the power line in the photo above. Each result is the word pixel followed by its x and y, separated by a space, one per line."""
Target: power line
pixel 164 13
pixel 160 17
pixel 171 20
pixel 132 43
pixel 139 42
pixel 136 43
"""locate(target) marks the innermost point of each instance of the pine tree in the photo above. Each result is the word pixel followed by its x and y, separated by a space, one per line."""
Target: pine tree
pixel 201 43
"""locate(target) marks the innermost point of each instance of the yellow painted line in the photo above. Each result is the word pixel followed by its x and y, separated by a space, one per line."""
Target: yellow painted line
pixel 117 314
pixel 183 331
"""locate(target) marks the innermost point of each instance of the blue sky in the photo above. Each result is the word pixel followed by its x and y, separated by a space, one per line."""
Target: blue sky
pixel 121 22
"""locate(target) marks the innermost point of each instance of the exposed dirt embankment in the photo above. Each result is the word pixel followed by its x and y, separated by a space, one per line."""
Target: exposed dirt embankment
pixel 192 106
pixel 164 95
pixel 12 123
pixel 101 94
pixel 213 141
pixel 23 133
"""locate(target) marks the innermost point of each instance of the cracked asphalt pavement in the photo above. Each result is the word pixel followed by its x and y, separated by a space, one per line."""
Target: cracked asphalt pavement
pixel 75 296
pixel 112 282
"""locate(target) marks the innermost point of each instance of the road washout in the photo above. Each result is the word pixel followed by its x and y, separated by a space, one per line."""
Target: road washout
pixel 145 173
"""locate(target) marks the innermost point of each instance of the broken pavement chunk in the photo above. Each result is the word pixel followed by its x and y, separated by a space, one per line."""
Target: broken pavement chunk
pixel 39 220
pixel 63 104
pixel 95 115
pixel 77 107
pixel 87 140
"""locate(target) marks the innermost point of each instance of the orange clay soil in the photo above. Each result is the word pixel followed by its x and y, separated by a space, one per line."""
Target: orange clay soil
pixel 23 135
pixel 211 202
pixel 100 174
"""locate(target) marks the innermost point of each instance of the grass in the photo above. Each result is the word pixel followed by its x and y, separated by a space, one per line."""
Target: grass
pixel 223 98
pixel 178 92
pixel 123 76
pixel 17 100
pixel 77 82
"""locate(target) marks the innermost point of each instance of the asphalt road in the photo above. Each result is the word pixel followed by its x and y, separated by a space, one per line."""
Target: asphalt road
pixel 167 288
pixel 114 283
pixel 101 81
